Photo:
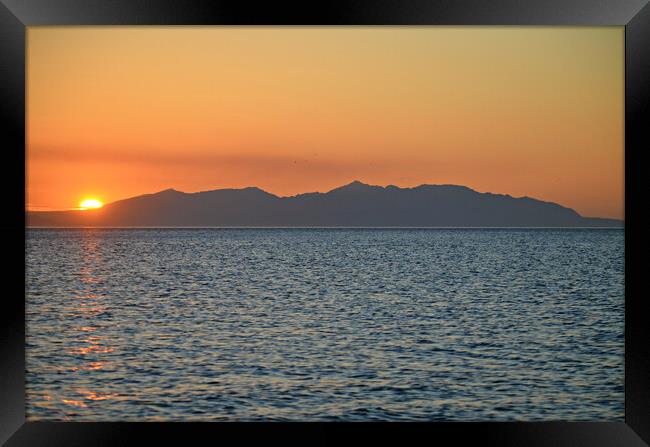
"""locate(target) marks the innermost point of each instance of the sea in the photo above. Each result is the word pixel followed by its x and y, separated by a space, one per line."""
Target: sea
pixel 332 324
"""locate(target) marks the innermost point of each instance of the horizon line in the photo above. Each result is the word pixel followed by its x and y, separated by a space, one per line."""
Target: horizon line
pixel 239 227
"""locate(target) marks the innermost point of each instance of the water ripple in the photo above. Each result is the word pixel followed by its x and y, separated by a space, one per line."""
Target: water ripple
pixel 325 324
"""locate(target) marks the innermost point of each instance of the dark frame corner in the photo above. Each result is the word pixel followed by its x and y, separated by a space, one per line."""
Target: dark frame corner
pixel 16 15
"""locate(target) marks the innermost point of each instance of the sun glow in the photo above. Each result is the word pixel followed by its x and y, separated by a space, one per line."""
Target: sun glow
pixel 90 204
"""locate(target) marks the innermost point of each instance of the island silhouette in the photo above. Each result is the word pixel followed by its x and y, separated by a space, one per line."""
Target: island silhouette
pixel 353 205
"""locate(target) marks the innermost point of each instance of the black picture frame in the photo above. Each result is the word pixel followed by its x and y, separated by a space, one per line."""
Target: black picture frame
pixel 16 15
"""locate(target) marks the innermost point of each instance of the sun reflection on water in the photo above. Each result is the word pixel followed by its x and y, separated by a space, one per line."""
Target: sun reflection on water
pixel 97 396
pixel 91 346
pixel 74 403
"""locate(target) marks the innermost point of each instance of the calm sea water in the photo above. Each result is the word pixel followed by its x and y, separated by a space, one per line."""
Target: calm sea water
pixel 290 324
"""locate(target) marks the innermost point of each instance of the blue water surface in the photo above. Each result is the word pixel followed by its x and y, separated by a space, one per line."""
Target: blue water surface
pixel 325 324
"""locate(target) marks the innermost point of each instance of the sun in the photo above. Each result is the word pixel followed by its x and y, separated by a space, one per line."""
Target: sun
pixel 89 204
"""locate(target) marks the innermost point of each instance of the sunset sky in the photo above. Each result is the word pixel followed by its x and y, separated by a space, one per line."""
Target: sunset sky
pixel 115 112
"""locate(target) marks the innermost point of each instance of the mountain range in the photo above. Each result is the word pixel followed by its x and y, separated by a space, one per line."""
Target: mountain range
pixel 353 205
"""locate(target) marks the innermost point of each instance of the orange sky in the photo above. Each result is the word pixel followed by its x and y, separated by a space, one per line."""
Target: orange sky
pixel 115 112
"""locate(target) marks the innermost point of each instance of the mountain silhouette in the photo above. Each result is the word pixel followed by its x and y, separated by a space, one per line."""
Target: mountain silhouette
pixel 353 205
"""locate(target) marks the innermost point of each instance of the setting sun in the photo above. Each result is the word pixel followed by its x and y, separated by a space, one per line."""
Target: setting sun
pixel 90 204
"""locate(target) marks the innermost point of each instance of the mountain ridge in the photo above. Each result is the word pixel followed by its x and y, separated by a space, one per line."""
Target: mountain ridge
pixel 355 204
